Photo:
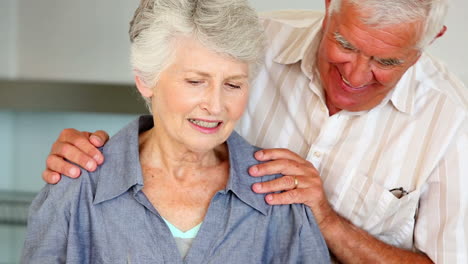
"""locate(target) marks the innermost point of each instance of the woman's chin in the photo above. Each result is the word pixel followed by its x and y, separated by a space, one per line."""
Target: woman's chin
pixel 203 145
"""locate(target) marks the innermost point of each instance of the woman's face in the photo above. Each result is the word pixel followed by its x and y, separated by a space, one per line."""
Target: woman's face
pixel 199 97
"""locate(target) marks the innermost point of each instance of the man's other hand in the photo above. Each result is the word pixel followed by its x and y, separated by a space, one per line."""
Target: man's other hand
pixel 77 147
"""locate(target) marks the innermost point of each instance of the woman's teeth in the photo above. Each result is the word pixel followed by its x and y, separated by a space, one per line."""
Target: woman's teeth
pixel 204 123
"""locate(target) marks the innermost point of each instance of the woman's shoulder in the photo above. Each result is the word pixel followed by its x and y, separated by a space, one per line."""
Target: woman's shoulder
pixel 60 201
pixel 237 143
pixel 241 155
pixel 68 190
pixel 121 160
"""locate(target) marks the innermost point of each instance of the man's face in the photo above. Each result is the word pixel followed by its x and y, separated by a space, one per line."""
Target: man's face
pixel 359 64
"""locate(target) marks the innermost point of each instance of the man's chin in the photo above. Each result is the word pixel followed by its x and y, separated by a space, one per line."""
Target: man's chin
pixel 343 103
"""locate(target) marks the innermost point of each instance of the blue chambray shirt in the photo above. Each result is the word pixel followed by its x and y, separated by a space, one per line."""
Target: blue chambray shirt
pixel 104 217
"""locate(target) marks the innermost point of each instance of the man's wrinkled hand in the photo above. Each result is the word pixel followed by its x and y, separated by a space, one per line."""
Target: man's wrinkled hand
pixel 301 182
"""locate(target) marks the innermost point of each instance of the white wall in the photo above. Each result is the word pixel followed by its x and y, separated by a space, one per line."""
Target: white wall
pixel 452 48
pixel 7 38
pixel 83 40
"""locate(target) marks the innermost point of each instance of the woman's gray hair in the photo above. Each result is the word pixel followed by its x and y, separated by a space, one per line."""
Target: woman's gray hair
pixel 392 12
pixel 229 27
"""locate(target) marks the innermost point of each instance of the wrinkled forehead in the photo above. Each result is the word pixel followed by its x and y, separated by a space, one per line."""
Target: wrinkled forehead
pixel 378 13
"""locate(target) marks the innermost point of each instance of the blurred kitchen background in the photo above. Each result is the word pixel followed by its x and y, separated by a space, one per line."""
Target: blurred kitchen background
pixel 64 63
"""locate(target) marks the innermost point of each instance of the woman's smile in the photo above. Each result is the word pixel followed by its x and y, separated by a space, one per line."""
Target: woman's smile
pixel 206 126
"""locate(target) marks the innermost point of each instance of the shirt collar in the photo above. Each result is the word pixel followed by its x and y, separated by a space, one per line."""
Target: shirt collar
pixel 115 178
pixel 240 182
pixel 294 50
pixel 123 171
pixel 301 46
pixel 403 95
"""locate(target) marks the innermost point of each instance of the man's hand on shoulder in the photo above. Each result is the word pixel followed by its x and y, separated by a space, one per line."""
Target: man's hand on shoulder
pixel 74 146
pixel 301 182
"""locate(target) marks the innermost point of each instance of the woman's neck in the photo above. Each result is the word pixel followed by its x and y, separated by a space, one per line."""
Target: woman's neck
pixel 175 159
pixel 178 182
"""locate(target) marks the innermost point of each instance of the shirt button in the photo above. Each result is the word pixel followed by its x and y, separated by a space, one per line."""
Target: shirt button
pixel 323 108
pixel 317 154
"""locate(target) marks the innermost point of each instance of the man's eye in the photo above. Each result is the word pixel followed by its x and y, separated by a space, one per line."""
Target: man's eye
pixel 385 63
pixel 343 43
pixel 388 63
pixel 346 46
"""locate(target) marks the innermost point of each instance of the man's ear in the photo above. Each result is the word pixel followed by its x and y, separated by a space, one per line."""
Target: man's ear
pixel 143 88
pixel 440 34
pixel 327 10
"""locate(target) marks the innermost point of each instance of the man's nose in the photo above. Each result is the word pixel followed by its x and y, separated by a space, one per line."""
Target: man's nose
pixel 359 71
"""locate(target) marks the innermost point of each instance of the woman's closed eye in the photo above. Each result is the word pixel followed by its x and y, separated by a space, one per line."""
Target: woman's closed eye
pixel 234 86
pixel 194 82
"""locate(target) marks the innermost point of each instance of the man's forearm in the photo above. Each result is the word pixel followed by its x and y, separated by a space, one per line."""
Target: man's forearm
pixel 350 244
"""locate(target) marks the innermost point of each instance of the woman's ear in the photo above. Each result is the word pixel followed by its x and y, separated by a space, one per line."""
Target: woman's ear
pixel 144 89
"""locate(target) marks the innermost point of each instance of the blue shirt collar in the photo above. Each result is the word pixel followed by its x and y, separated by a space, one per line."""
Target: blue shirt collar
pixel 123 172
pixel 240 182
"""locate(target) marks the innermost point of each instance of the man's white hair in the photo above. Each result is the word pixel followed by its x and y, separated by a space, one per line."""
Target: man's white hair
pixel 391 12
pixel 228 27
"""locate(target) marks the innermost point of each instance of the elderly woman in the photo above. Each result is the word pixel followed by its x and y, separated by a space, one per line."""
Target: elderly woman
pixel 174 187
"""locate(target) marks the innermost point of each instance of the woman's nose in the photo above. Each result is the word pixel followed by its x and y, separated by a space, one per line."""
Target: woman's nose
pixel 213 101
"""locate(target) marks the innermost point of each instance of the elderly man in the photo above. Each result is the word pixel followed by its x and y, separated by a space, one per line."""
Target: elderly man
pixel 369 130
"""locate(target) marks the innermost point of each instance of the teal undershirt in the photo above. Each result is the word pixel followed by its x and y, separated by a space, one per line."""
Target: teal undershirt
pixel 183 239
pixel 192 233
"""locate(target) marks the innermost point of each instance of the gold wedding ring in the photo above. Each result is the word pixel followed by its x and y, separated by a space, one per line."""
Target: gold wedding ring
pixel 296 182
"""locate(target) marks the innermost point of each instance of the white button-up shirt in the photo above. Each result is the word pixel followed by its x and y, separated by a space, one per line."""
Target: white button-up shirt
pixel 399 170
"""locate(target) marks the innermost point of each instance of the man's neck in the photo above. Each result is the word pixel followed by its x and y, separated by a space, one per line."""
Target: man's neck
pixel 332 109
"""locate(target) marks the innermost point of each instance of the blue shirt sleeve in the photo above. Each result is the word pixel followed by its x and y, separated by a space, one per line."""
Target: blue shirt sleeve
pixel 294 237
pixel 313 248
pixel 47 235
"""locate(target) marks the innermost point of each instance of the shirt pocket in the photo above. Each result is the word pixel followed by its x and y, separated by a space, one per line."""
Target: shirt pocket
pixel 375 209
